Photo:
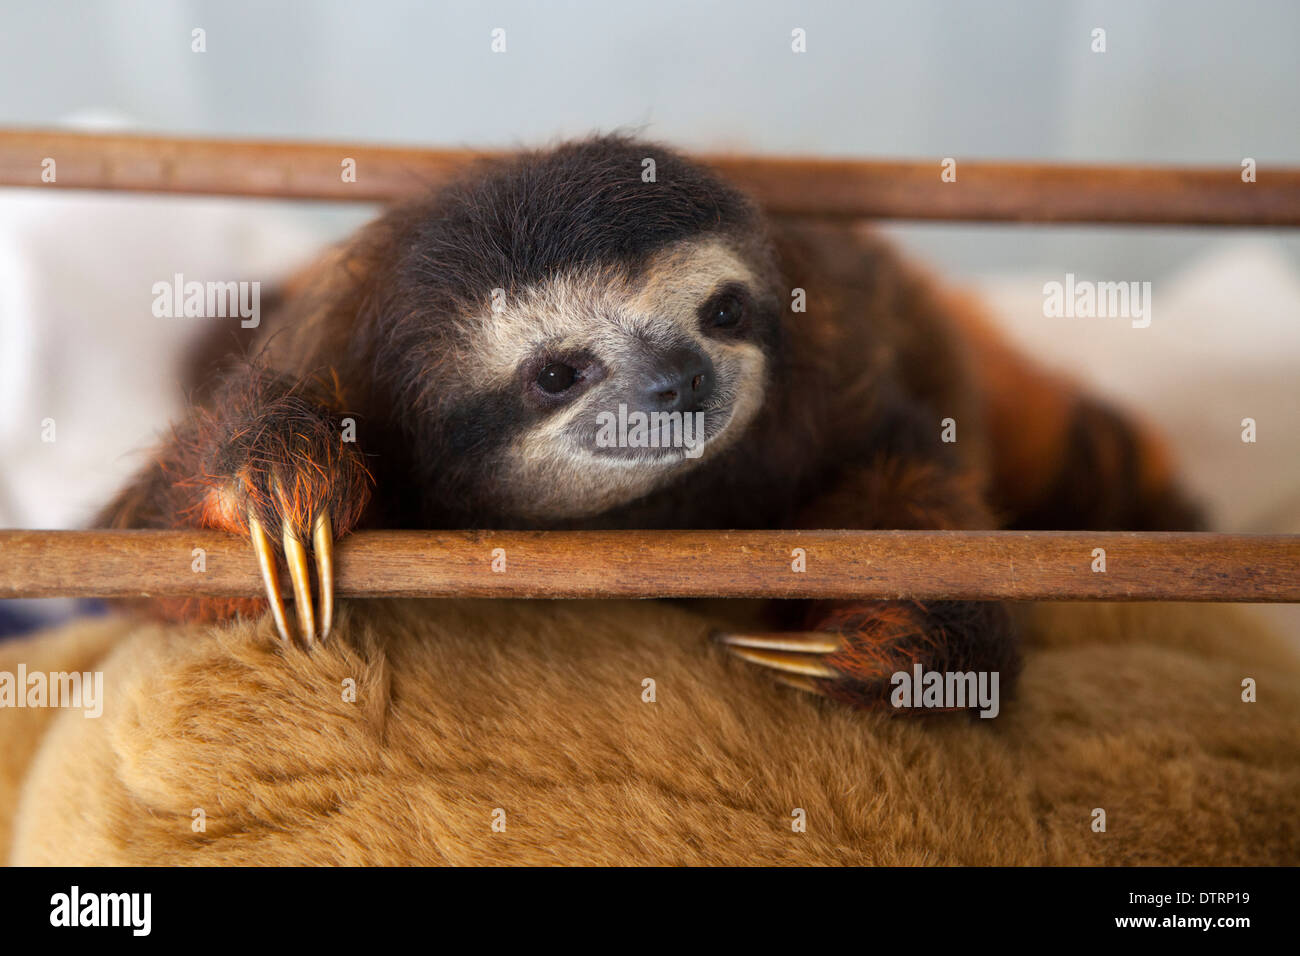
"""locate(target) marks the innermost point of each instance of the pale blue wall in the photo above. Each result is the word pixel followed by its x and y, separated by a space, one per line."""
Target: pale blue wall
pixel 1183 81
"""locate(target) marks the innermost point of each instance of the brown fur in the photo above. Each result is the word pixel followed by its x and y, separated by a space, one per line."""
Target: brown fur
pixel 861 380
pixel 839 413
pixel 535 708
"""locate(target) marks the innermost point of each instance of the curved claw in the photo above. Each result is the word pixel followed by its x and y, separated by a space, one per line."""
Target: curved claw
pixel 800 642
pixel 808 665
pixel 296 557
pixel 796 657
pixel 266 562
pixel 323 545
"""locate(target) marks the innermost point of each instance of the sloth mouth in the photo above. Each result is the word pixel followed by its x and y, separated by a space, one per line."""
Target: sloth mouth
pixel 637 438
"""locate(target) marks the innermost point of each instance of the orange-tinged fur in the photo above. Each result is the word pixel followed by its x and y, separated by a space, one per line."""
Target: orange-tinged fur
pixel 834 413
pixel 1026 408
pixel 1029 411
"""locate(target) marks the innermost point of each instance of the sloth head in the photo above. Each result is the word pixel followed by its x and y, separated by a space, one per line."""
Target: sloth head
pixel 568 331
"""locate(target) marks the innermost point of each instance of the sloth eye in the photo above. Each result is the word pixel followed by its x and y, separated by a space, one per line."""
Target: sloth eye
pixel 556 378
pixel 723 311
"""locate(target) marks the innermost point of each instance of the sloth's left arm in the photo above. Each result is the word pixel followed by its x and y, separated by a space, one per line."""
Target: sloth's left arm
pixel 850 650
pixel 268 457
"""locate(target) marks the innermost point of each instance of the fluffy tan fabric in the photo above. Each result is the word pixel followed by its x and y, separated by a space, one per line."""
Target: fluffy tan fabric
pixel 536 708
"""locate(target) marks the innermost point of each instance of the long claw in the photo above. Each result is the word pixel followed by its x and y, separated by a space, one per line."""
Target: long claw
pixel 323 545
pixel 296 557
pixel 266 561
pixel 800 642
pixel 804 664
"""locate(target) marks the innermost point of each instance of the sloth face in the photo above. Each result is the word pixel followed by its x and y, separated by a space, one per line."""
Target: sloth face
pixel 622 381
pixel 558 334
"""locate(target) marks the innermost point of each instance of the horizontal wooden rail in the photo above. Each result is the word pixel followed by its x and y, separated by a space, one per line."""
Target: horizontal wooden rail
pixel 586 564
pixel 838 188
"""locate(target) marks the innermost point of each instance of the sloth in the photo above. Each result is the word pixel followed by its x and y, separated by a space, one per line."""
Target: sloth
pixel 460 362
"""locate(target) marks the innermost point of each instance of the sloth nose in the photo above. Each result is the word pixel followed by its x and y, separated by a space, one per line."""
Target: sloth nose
pixel 681 381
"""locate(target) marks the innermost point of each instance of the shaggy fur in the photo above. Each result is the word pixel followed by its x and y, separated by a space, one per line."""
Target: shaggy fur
pixel 829 417
pixel 536 708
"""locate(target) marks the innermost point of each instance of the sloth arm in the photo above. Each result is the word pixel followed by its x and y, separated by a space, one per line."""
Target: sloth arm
pixel 848 650
pixel 265 456
pixel 1036 451
pixel 880 336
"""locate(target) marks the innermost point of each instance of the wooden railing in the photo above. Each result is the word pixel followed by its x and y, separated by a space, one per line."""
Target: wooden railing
pixel 588 564
pixel 922 565
pixel 841 188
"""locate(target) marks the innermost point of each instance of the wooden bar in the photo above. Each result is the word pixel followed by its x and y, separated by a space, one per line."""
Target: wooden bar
pixel 638 564
pixel 840 564
pixel 835 188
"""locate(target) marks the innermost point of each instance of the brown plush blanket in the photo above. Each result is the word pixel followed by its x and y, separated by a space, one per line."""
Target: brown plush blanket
pixel 218 746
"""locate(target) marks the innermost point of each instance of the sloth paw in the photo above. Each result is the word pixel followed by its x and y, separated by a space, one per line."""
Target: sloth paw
pixel 287 478
pixel 853 649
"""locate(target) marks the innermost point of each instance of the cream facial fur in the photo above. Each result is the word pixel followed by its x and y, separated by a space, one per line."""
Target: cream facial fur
pixel 555 469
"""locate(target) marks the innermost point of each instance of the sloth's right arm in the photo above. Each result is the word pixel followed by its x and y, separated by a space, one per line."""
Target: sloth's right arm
pixel 849 650
pixel 265 457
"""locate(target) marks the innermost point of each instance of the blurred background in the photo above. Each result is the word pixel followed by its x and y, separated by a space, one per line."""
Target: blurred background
pixel 1180 81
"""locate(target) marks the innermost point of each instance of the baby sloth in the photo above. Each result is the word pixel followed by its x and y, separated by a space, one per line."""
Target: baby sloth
pixel 554 342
